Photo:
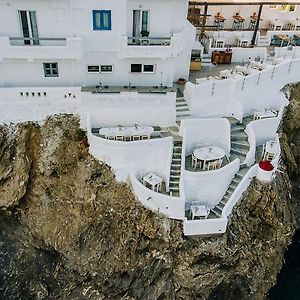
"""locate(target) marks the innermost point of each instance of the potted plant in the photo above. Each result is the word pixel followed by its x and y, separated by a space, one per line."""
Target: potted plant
pixel 181 81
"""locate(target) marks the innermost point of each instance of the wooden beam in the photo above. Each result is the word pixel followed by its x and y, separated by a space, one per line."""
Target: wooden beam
pixel 256 25
pixel 204 20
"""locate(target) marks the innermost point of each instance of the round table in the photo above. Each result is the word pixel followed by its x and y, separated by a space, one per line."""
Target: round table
pixel 208 154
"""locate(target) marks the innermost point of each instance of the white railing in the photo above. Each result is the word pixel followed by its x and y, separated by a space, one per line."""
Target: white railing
pixel 26 41
pixel 238 192
pixel 172 207
pixel 149 41
pixel 42 48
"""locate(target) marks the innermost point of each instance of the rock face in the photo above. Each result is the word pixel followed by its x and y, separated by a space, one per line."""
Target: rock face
pixel 70 231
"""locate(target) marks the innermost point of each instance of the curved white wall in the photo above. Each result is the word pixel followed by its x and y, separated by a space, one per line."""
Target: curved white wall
pixel 139 157
pixel 209 187
pixel 205 132
pixel 172 207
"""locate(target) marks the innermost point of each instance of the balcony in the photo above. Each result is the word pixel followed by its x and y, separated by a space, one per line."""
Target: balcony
pixel 40 48
pixel 147 47
pixel 157 47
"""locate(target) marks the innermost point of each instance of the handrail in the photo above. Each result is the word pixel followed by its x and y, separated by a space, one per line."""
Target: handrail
pixel 149 41
pixel 35 39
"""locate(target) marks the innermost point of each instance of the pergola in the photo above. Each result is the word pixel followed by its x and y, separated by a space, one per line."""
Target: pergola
pixel 261 4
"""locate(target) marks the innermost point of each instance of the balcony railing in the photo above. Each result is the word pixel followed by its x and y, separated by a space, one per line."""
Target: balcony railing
pixel 149 41
pixel 26 41
pixel 40 48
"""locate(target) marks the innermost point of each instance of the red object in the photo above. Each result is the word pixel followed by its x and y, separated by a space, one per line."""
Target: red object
pixel 266 165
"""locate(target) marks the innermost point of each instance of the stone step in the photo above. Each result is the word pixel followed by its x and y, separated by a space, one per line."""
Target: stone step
pixel 239 151
pixel 184 113
pixel 237 128
pixel 243 166
pixel 217 212
pixel 174 177
pixel 220 206
pixel 240 144
pixel 241 136
pixel 174 184
pixel 182 109
pixel 180 98
pixel 176 154
pixel 233 185
pixel 175 167
pixel 236 180
pixel 181 103
pixel 179 118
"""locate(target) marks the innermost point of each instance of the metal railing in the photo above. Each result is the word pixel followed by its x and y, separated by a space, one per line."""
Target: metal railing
pixel 149 41
pixel 37 41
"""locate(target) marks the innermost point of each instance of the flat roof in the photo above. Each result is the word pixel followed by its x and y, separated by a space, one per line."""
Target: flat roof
pixel 244 2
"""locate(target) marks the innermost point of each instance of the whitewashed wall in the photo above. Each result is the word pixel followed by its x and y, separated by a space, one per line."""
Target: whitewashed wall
pixel 254 92
pixel 138 157
pixel 17 108
pixel 209 187
pixel 130 108
pixel 205 132
pixel 74 21
pixel 203 227
pixel 172 207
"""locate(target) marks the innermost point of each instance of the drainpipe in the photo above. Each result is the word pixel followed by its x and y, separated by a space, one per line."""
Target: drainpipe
pixel 257 24
pixel 204 20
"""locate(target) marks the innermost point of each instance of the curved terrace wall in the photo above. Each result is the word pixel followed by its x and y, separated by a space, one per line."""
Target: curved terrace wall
pixel 209 187
pixel 140 157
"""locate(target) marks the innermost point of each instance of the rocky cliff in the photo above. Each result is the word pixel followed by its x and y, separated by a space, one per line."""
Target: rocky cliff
pixel 70 231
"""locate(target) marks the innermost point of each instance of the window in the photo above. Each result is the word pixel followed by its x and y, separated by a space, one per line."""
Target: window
pixel 136 68
pixel 148 68
pixel 101 19
pixel 51 69
pixel 140 68
pixel 93 69
pixel 272 6
pixel 140 23
pixel 106 68
pixel 292 8
pixel 29 27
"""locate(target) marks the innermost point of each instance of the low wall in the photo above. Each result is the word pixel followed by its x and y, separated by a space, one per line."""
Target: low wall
pixel 35 104
pixel 203 227
pixel 264 129
pixel 243 55
pixel 130 108
pixel 287 51
pixel 209 187
pixel 254 92
pixel 238 192
pixel 172 207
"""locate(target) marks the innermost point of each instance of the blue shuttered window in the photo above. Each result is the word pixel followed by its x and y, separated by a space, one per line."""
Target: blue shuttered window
pixel 102 19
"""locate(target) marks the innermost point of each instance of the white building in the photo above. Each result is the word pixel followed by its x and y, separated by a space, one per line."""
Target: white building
pixel 75 43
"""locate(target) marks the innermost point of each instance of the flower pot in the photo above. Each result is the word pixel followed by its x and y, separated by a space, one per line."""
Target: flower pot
pixel 181 81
